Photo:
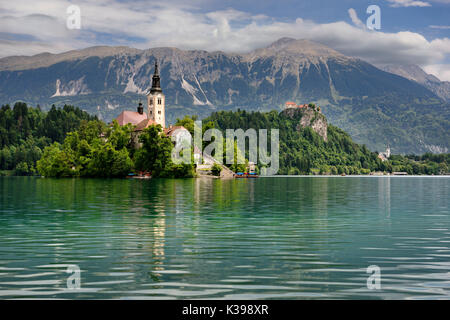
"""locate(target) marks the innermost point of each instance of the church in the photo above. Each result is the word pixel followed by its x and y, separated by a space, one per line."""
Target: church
pixel 155 107
pixel 155 114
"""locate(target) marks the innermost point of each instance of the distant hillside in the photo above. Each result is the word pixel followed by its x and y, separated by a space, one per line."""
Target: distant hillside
pixel 374 106
pixel 309 145
pixel 415 73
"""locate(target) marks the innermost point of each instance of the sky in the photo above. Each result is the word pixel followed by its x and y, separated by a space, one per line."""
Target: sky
pixel 411 31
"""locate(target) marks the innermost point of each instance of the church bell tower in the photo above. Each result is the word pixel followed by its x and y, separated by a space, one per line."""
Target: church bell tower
pixel 156 100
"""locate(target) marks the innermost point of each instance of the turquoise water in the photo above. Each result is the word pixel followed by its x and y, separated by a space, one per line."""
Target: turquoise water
pixel 266 238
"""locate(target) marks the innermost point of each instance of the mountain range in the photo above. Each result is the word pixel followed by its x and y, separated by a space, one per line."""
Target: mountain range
pixel 415 73
pixel 400 106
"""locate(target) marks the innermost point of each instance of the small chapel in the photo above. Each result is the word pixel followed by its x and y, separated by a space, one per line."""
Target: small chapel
pixel 155 107
pixel 154 115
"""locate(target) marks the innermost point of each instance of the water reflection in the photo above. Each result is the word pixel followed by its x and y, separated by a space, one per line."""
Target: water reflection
pixel 208 238
pixel 384 195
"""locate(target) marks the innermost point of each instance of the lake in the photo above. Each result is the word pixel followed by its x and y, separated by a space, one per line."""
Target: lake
pixel 266 238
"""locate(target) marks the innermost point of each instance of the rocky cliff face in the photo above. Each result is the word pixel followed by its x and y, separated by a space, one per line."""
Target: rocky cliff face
pixel 309 117
pixel 365 101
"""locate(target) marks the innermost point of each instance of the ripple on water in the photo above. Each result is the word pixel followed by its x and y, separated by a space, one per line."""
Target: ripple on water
pixel 272 238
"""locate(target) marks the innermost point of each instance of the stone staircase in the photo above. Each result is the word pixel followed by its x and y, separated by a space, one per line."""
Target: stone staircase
pixel 209 161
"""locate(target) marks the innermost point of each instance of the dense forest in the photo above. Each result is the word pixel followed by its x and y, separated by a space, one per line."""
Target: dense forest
pixel 65 142
pixel 106 151
pixel 303 151
pixel 421 164
pixel 239 162
pixel 26 131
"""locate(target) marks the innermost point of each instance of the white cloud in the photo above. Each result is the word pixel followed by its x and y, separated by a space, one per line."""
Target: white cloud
pixel 141 25
pixel 354 17
pixel 442 71
pixel 408 3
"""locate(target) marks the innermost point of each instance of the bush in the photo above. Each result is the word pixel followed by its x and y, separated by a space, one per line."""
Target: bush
pixel 22 169
pixel 216 169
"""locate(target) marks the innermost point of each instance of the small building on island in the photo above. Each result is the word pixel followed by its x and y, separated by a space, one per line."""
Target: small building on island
pixel 132 117
pixel 156 114
pixel 384 156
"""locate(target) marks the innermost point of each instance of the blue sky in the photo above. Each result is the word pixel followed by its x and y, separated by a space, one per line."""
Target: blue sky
pixel 412 31
pixel 394 19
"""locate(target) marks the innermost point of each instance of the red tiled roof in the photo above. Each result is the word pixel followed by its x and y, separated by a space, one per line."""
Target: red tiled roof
pixel 290 103
pixel 144 124
pixel 169 131
pixel 132 117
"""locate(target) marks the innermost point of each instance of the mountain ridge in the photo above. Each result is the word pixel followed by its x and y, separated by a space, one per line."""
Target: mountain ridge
pixel 11 63
pixel 369 103
pixel 417 74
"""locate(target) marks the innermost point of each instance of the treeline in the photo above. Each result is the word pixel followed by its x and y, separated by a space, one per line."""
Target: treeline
pixel 303 151
pixel 26 131
pixel 430 164
pixel 106 151
pixel 68 142
pixel 239 162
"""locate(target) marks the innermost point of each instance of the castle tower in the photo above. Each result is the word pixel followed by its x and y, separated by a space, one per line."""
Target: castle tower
pixel 156 100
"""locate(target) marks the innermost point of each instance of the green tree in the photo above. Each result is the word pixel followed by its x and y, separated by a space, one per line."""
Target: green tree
pixel 188 123
pixel 155 154
pixel 94 150
pixel 216 169
pixel 22 169
pixel 56 163
pixel 108 162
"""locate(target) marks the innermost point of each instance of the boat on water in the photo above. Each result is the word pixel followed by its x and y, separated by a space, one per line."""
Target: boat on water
pixel 246 175
pixel 140 175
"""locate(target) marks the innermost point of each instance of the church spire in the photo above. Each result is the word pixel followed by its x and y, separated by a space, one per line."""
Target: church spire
pixel 156 67
pixel 156 82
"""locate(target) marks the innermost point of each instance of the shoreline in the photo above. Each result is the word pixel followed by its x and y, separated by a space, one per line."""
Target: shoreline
pixel 356 176
pixel 232 178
